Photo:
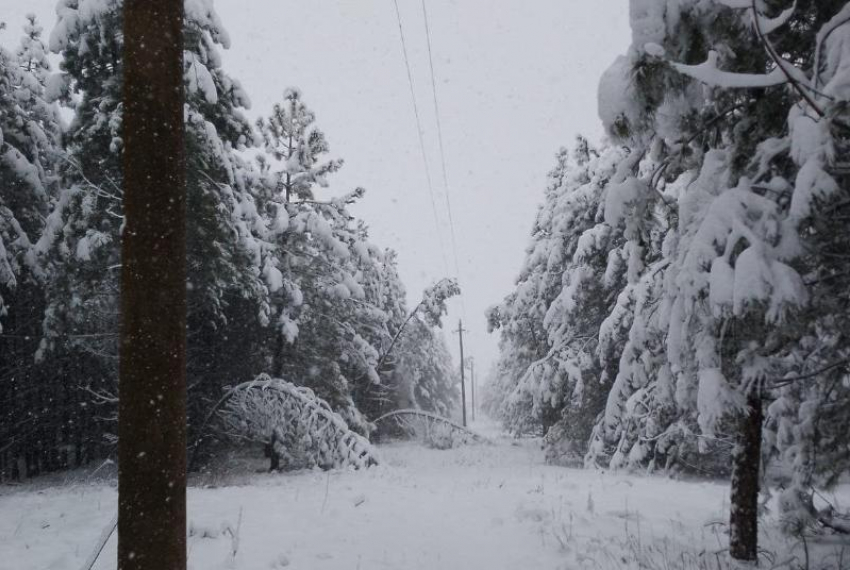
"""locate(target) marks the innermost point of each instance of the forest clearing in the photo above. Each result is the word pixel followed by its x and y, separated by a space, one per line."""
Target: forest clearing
pixel 485 506
pixel 221 344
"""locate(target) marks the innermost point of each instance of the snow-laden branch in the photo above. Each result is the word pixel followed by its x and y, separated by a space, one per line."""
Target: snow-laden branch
pixel 293 420
pixel 770 25
pixel 433 305
pixel 796 78
pixel 784 72
pixel 735 4
pixel 840 19
pixel 767 25
pixel 708 73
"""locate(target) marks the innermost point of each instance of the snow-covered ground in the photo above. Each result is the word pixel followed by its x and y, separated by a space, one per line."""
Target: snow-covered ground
pixel 478 507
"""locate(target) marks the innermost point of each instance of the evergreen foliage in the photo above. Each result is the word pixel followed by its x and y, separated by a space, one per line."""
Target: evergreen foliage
pixel 686 278
pixel 282 278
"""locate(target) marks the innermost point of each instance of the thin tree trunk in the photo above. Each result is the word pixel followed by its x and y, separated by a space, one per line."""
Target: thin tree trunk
pixel 746 462
pixel 152 405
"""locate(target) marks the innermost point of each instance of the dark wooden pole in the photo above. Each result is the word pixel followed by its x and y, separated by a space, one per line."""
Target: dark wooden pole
pixel 472 385
pixel 152 387
pixel 460 332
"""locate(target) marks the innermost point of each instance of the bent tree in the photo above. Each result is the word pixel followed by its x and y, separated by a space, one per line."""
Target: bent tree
pixel 152 369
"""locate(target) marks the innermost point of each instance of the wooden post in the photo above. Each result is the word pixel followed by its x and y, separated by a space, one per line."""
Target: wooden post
pixel 152 368
pixel 472 384
pixel 460 332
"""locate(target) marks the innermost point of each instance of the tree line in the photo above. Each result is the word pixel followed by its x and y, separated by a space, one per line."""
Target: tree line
pixel 683 305
pixel 281 277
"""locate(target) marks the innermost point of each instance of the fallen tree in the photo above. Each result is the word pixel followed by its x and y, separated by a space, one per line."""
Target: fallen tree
pixel 434 430
pixel 298 429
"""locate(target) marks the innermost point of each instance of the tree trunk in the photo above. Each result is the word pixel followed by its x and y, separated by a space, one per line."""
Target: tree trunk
pixel 272 454
pixel 746 462
pixel 152 387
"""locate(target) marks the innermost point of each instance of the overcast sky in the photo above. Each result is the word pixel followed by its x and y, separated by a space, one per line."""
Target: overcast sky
pixel 516 79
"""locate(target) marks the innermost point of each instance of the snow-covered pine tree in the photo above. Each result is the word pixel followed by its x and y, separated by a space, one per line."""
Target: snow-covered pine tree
pixel 291 138
pixel 807 377
pixel 226 232
pixel 645 106
pixel 80 241
pixel 793 171
pixel 717 274
pixel 584 371
pixel 524 343
pixel 385 291
pixel 266 254
pixel 340 302
pixel 324 323
pixel 384 286
pixel 425 378
pixel 662 116
pixel 563 295
pixel 702 99
pixel 29 129
pixel 45 126
pixel 228 249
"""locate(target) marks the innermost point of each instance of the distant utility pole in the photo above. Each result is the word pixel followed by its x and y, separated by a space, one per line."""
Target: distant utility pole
pixel 460 330
pixel 472 383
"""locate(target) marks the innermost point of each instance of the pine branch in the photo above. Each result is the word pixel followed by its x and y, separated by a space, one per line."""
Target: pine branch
pixel 791 379
pixel 780 62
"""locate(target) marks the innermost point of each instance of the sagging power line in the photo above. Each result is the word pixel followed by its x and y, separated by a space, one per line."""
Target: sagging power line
pixel 441 145
pixel 440 139
pixel 421 138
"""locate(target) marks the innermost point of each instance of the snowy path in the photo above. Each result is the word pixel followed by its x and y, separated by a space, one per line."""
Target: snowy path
pixel 479 507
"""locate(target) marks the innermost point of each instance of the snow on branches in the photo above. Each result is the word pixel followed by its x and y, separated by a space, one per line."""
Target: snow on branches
pixel 702 274
pixel 301 429
pixel 281 275
pixel 433 305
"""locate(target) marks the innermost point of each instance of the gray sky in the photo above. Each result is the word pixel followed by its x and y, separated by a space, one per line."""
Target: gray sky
pixel 516 79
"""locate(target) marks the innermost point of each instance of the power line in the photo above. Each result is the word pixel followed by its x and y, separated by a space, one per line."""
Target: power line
pixel 422 141
pixel 442 150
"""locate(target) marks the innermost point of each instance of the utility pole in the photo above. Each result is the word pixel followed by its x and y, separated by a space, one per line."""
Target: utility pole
pixel 460 332
pixel 152 365
pixel 472 383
